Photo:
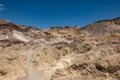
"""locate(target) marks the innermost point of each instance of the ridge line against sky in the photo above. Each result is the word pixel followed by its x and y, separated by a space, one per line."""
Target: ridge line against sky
pixel 48 13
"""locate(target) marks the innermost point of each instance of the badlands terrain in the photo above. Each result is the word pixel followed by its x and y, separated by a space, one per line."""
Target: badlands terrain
pixel 60 53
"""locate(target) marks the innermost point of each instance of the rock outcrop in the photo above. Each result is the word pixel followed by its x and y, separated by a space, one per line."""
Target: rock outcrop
pixel 60 53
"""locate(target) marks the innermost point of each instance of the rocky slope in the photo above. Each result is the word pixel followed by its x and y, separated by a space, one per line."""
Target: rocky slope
pixel 60 53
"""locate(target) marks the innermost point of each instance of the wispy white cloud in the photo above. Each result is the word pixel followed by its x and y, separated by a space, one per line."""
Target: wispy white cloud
pixel 1 4
pixel 2 7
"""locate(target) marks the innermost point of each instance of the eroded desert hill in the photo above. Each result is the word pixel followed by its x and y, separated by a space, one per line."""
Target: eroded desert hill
pixel 60 53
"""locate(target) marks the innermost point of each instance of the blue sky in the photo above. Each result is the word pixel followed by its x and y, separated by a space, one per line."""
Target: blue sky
pixel 48 13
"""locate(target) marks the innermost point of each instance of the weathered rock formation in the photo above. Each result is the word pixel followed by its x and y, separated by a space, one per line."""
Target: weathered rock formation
pixel 60 53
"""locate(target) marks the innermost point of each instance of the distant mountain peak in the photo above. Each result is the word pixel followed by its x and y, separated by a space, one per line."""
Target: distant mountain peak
pixel 2 21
